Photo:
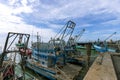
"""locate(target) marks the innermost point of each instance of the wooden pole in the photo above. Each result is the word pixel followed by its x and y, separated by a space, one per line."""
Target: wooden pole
pixel 88 50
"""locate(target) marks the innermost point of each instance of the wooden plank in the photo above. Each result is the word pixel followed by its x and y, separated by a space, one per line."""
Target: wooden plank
pixel 105 71
pixel 71 70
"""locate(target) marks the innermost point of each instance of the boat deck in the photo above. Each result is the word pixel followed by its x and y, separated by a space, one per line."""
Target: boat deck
pixel 71 70
pixel 66 72
pixel 105 71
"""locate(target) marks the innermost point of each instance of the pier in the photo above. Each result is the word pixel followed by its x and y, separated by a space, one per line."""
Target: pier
pixel 105 71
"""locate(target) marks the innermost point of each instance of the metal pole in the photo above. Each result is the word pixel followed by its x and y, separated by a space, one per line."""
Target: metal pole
pixel 3 54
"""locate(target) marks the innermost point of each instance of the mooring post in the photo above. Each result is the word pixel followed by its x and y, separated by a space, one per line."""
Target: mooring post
pixel 88 51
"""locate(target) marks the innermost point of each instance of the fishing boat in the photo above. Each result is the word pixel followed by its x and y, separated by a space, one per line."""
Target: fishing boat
pixel 10 67
pixel 103 49
pixel 51 59
pixel 52 64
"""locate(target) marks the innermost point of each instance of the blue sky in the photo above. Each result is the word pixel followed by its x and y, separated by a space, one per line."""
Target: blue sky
pixel 100 18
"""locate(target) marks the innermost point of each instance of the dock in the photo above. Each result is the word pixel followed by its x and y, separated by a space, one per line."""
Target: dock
pixel 116 62
pixel 105 71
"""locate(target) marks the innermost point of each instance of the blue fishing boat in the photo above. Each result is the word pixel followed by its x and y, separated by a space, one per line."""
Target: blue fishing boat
pixel 50 59
pixel 103 48
pixel 52 65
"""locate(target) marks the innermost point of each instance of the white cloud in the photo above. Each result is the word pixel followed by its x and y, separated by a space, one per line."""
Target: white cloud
pixel 24 2
pixel 5 10
pixel 63 9
pixel 24 9
pixel 77 8
pixel 12 23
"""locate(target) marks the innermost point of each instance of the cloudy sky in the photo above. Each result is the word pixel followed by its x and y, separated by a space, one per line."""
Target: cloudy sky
pixel 100 18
